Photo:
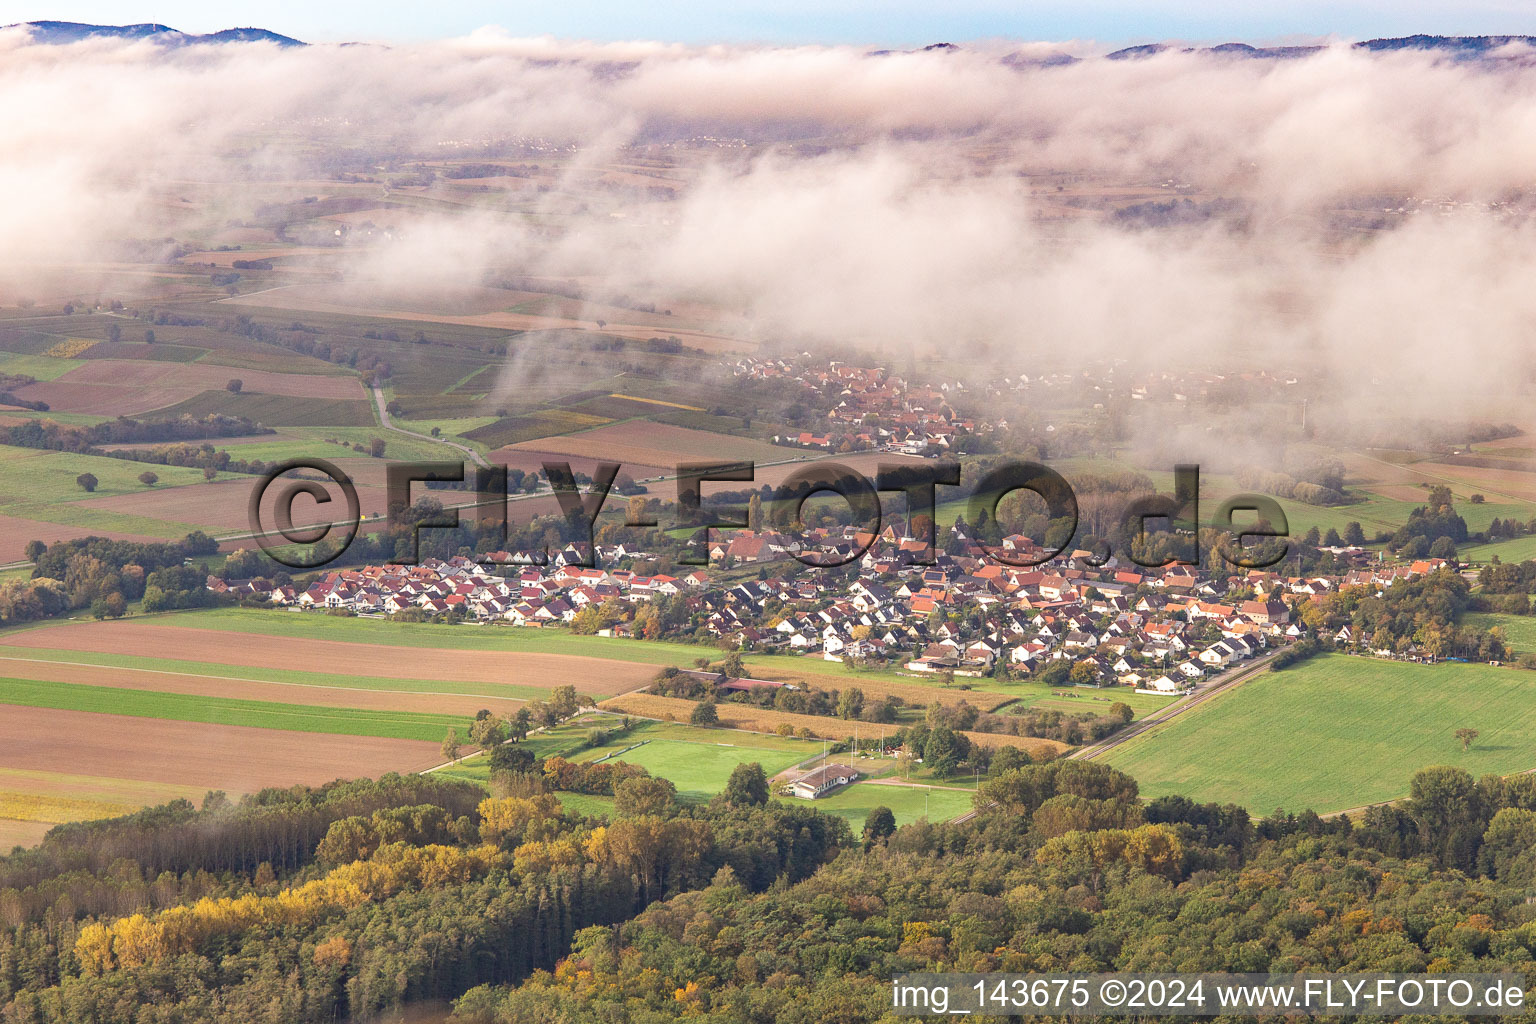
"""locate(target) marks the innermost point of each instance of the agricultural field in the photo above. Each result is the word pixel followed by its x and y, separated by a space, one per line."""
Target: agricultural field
pixel 1337 732
pixel 133 386
pixel 1519 630
pixel 155 637
pixel 210 679
pixel 811 670
pixel 176 707
pixel 655 445
pixel 117 762
pixel 1519 549
pixel 40 499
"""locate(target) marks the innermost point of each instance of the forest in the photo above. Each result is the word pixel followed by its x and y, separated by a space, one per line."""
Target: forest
pixel 334 903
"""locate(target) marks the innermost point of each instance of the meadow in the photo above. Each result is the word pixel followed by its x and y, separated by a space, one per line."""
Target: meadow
pixel 1087 700
pixel 1518 549
pixel 1337 732
pixel 1519 630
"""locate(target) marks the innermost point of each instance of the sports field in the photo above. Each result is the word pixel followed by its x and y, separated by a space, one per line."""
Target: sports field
pixel 698 761
pixel 700 768
pixel 1337 732
pixel 908 803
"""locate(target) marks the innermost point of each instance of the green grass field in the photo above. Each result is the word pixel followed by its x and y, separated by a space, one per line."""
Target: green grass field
pixel 49 477
pixel 909 803
pixel 1519 630
pixel 1337 732
pixel 586 803
pixel 1089 701
pixel 321 443
pixel 700 768
pixel 1520 549
pixel 404 725
pixel 40 367
pixel 698 761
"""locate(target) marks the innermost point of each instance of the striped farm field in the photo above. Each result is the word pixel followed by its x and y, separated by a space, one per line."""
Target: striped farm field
pixel 555 641
pixel 162 638
pixel 196 679
pixel 175 707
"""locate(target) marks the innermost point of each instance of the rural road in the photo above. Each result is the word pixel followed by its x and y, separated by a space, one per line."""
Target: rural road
pixel 384 420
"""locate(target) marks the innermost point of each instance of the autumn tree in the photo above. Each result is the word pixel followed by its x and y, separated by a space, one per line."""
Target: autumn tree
pixel 850 703
pixel 747 787
pixel 487 731
pixel 644 795
pixel 879 825
pixel 704 714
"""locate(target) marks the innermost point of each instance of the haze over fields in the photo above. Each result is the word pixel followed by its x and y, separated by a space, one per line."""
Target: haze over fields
pixel 1361 211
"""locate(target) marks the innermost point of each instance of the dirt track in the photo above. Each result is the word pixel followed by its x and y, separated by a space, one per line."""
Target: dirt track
pixel 597 676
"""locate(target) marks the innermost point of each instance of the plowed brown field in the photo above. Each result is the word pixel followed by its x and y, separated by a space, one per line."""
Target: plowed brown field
pixel 235 759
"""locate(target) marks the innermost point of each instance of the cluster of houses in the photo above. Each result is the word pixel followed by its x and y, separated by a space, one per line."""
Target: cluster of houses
pixel 1157 630
pixel 868 409
pixel 532 596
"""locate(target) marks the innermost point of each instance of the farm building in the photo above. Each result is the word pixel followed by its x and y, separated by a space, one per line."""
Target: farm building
pixel 823 780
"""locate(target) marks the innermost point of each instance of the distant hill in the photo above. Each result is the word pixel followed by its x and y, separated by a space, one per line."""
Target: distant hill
pixel 61 32
pixel 1460 47
pixel 1468 46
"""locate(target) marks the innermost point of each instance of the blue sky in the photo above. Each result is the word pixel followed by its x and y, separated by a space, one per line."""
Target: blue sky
pixel 898 23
